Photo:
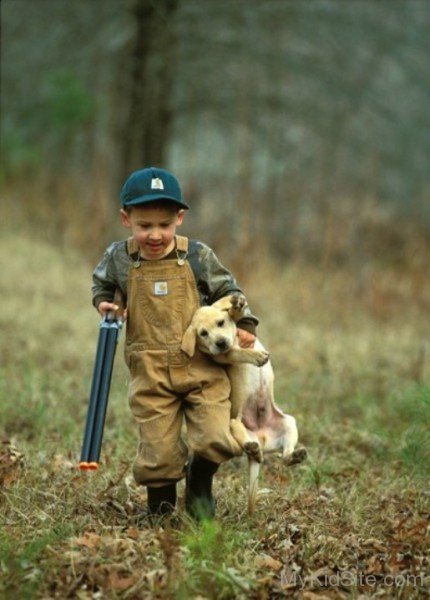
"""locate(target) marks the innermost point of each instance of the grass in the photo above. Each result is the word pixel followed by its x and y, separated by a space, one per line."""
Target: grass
pixel 350 356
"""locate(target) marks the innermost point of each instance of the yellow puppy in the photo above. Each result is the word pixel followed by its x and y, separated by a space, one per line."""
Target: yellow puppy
pixel 257 423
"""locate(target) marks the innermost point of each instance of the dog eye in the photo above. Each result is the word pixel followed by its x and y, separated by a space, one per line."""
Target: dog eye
pixel 220 323
pixel 203 333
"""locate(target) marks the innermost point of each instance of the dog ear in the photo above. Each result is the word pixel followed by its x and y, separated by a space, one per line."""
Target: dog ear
pixel 188 344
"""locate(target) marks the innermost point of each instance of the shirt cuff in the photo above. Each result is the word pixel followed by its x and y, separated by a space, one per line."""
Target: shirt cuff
pixel 248 325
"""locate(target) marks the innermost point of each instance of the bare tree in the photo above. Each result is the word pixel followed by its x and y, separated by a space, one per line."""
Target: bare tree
pixel 146 85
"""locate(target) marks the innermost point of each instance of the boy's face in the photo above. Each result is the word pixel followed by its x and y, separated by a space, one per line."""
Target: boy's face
pixel 153 228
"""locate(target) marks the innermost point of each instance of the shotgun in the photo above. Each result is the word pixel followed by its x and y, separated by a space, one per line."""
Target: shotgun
pixel 110 328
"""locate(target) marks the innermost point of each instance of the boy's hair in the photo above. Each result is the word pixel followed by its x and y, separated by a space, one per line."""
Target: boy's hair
pixel 159 204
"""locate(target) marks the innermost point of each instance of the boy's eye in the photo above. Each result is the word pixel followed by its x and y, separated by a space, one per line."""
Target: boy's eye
pixel 148 225
pixel 203 333
pixel 220 323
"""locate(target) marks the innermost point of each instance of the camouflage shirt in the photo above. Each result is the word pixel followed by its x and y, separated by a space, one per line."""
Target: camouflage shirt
pixel 213 280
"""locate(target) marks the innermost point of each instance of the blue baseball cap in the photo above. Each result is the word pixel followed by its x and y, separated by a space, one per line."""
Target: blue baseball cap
pixel 149 184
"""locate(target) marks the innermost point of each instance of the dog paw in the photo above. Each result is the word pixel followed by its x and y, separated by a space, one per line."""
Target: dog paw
pixel 238 305
pixel 254 451
pixel 260 357
pixel 297 456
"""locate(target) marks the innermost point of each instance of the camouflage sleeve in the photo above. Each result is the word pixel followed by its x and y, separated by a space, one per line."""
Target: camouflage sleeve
pixel 216 281
pixel 105 279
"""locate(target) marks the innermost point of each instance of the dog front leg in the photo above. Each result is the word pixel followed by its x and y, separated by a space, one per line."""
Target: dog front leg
pixel 235 356
pixel 238 308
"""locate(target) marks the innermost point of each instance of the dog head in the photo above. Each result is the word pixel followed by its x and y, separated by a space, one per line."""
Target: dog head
pixel 212 329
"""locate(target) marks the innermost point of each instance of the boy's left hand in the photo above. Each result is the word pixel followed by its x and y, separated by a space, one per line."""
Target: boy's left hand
pixel 245 339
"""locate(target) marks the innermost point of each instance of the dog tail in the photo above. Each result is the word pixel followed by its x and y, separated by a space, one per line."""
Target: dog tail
pixel 254 470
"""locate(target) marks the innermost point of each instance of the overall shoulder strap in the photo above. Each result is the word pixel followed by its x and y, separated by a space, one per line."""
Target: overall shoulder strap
pixel 132 246
pixel 181 243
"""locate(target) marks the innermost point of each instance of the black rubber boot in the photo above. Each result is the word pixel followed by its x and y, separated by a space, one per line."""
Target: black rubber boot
pixel 199 502
pixel 162 500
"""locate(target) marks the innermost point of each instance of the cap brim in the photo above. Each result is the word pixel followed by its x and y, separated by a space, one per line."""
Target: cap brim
pixel 152 197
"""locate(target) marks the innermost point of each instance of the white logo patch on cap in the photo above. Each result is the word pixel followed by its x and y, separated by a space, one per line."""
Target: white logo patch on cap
pixel 157 184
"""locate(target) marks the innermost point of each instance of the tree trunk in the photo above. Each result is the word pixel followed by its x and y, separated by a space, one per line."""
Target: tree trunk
pixel 147 85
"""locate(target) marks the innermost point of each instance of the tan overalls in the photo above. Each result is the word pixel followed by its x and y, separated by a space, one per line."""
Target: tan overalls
pixel 165 383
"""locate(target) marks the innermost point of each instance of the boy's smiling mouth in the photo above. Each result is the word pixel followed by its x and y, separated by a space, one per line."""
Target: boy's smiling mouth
pixel 155 246
pixel 155 249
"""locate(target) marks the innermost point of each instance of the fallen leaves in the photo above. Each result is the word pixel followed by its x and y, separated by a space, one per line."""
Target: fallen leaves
pixel 111 577
pixel 328 541
pixel 11 461
pixel 374 543
pixel 89 540
pixel 267 562
pixel 114 560
pixel 325 552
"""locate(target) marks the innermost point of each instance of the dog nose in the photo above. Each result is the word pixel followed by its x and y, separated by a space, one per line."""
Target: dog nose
pixel 221 344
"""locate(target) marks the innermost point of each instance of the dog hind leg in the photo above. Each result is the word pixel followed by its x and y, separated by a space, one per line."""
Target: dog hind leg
pixel 290 453
pixel 298 455
pixel 250 445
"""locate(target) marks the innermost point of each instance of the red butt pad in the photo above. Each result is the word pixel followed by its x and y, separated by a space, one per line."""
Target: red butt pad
pixel 88 466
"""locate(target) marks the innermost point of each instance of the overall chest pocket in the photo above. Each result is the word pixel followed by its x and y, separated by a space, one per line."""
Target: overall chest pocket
pixel 162 297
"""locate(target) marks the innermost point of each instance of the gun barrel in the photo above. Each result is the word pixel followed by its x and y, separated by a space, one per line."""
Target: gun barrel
pixel 106 378
pixel 100 386
pixel 95 391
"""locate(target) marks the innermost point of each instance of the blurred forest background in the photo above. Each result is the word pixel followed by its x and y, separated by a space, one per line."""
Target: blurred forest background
pixel 298 129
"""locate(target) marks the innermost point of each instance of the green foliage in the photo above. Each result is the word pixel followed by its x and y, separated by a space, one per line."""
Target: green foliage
pixel 209 551
pixel 66 106
pixel 414 447
pixel 40 393
pixel 17 155
pixel 68 103
pixel 20 562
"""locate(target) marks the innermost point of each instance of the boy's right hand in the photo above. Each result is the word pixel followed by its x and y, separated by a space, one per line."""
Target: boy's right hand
pixel 105 307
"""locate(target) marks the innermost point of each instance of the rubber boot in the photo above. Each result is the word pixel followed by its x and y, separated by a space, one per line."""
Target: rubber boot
pixel 199 502
pixel 161 500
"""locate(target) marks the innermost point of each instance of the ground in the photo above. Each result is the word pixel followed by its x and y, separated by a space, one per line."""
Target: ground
pixel 350 352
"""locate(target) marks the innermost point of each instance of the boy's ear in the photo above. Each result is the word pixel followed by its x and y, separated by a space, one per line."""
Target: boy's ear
pixel 125 220
pixel 180 217
pixel 188 344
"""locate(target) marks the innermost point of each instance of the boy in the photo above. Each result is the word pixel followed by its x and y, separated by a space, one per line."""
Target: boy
pixel 165 278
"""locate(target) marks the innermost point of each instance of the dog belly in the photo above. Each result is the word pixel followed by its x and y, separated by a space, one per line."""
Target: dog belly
pixel 253 402
pixel 251 392
pixel 265 421
pixel 256 395
pixel 257 409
